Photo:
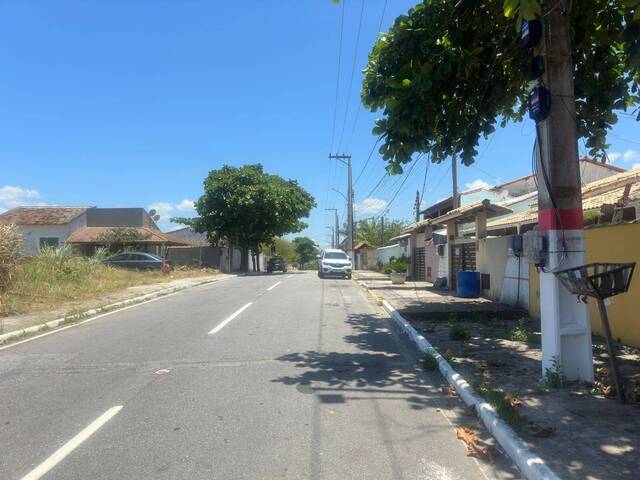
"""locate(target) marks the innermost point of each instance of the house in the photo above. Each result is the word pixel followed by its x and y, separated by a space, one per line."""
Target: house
pixel 364 256
pixel 83 227
pixel 190 236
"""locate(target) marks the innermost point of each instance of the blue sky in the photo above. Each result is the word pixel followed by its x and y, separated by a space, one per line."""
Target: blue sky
pixel 132 102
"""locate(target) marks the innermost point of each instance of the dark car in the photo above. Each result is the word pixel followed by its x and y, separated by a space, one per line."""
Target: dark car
pixel 139 260
pixel 276 264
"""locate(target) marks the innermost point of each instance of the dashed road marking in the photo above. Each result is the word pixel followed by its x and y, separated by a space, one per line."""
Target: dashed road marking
pixel 221 325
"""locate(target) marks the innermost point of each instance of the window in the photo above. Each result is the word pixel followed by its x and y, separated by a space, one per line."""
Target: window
pixel 335 255
pixel 49 242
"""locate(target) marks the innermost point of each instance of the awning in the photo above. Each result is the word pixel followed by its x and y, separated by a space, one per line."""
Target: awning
pixel 467 213
pixel 400 237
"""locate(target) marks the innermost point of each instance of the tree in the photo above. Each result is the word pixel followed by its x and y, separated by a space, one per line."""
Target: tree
pixel 370 230
pixel 286 250
pixel 116 238
pixel 248 208
pixel 448 71
pixel 306 249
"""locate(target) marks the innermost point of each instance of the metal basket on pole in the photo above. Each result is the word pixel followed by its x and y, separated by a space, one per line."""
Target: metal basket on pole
pixel 601 281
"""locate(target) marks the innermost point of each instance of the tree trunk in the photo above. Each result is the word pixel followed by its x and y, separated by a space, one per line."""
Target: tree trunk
pixel 253 260
pixel 258 261
pixel 244 261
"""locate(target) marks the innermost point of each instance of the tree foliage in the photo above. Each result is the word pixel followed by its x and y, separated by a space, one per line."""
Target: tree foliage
pixel 306 249
pixel 286 249
pixel 448 71
pixel 370 230
pixel 248 207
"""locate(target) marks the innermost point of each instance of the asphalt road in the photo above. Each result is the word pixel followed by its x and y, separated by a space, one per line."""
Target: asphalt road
pixel 257 377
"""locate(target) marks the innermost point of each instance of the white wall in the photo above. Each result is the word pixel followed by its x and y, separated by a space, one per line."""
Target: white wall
pixel 31 235
pixel 385 253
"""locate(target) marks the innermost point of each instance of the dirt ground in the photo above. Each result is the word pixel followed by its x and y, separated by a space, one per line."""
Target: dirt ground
pixel 579 430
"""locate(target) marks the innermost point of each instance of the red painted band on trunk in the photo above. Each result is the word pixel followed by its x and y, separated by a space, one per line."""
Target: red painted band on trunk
pixel 552 219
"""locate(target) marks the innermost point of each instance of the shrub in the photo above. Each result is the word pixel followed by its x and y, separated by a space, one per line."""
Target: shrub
pixel 553 376
pixel 429 362
pixel 399 264
pixel 458 333
pixel 519 334
pixel 10 241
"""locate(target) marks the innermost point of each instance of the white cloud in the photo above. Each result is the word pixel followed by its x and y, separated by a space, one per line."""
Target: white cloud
pixel 370 206
pixel 478 183
pixel 635 165
pixel 631 156
pixel 613 156
pixel 166 210
pixel 11 197
pixel 185 205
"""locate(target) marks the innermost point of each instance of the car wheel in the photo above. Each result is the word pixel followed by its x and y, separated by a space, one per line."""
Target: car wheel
pixel 320 275
pixel 349 277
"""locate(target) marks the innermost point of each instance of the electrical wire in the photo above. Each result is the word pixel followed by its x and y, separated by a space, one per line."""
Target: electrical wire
pixel 353 70
pixel 335 107
pixel 368 159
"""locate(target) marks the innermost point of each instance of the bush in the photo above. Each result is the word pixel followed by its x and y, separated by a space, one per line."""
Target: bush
pixel 429 362
pixel 458 333
pixel 399 264
pixel 10 241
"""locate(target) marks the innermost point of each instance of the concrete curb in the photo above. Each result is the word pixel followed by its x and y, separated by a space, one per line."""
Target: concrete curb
pixel 531 466
pixel 15 334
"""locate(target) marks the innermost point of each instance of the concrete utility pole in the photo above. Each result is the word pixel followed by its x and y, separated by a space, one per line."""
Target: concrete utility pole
pixel 382 231
pixel 333 237
pixel 416 207
pixel 336 237
pixel 454 180
pixel 566 332
pixel 346 159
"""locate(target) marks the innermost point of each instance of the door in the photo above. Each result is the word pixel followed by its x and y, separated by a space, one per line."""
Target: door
pixel 463 259
pixel 418 264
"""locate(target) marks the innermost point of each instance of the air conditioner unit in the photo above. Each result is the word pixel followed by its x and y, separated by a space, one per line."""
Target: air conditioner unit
pixel 442 249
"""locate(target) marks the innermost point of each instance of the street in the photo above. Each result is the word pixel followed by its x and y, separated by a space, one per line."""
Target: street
pixel 254 377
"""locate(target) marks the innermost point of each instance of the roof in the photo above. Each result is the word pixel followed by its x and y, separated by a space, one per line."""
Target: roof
pixel 530 216
pixel 361 244
pixel 602 164
pixel 91 235
pixel 400 237
pixel 609 183
pixel 415 226
pixel 468 211
pixel 611 197
pixel 42 215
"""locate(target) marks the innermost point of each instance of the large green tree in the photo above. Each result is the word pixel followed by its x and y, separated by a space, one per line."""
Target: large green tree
pixel 447 72
pixel 286 249
pixel 248 208
pixel 306 249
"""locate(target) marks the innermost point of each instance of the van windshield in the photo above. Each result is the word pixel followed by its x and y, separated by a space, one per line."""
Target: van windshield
pixel 336 255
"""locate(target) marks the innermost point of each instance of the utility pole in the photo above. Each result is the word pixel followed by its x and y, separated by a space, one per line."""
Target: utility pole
pixel 382 231
pixel 333 237
pixel 336 232
pixel 454 180
pixel 416 207
pixel 566 331
pixel 346 159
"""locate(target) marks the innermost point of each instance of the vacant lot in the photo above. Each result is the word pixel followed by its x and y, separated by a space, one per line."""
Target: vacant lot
pixel 51 281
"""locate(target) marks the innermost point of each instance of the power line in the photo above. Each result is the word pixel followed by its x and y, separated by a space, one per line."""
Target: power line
pixel 335 107
pixel 368 158
pixel 353 70
pixel 355 122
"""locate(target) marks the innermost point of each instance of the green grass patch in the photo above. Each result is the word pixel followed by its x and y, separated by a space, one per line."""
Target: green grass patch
pixel 458 333
pixel 503 403
pixel 429 362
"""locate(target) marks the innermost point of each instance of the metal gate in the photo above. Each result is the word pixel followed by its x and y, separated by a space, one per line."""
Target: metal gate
pixel 418 264
pixel 463 259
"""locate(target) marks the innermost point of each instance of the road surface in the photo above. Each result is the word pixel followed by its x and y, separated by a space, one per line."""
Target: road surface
pixel 257 377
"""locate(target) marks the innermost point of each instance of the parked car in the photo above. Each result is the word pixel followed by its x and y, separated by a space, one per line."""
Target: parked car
pixel 334 262
pixel 276 264
pixel 139 260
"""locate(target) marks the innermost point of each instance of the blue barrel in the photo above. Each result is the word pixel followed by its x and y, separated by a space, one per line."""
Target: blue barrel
pixel 468 284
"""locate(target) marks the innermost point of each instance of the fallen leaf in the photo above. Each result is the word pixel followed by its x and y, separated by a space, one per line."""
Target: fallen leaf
pixel 471 440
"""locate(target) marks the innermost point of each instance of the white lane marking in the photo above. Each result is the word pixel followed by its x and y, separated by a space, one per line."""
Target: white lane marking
pixel 290 276
pixel 117 310
pixel 72 444
pixel 221 325
pixel 273 286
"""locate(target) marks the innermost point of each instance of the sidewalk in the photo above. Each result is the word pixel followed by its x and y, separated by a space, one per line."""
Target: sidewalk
pixel 577 430
pixel 18 322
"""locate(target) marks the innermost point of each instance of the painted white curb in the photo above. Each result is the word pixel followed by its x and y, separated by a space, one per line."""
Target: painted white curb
pixel 532 466
pixel 107 308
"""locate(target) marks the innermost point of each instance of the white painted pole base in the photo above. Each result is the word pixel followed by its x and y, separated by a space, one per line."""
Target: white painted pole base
pixel 566 330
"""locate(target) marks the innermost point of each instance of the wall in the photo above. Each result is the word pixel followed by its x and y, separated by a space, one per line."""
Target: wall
pixel 31 235
pixel 431 259
pixel 199 256
pixel 624 316
pixel 116 217
pixel 491 258
pixel 385 253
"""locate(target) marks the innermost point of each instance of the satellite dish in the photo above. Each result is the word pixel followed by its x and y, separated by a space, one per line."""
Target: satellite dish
pixel 156 218
pixel 152 212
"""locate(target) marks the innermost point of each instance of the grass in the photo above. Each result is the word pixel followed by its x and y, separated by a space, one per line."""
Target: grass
pixel 58 277
pixel 503 403
pixel 458 333
pixel 429 362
